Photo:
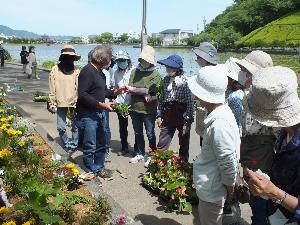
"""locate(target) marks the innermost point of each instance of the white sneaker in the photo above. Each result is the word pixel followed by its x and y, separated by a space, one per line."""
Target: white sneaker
pixel 147 162
pixel 136 159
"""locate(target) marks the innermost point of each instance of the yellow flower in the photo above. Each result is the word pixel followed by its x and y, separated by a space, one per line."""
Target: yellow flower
pixel 3 210
pixel 70 166
pixel 5 126
pixel 12 132
pixel 29 222
pixel 26 223
pixel 75 171
pixel 5 119
pixel 2 111
pixel 21 143
pixel 10 222
pixel 4 152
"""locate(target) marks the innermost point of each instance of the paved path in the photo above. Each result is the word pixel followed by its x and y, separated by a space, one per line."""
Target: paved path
pixel 137 201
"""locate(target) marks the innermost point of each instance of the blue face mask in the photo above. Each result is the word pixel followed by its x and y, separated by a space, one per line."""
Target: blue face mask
pixel 122 64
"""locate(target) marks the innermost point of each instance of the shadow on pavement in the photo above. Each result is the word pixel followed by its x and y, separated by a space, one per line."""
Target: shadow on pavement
pixel 151 220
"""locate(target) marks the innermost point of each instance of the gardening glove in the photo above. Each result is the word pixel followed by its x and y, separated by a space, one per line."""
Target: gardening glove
pixel 52 109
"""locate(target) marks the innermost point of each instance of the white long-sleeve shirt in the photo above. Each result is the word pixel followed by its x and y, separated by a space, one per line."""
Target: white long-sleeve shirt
pixel 121 79
pixel 216 165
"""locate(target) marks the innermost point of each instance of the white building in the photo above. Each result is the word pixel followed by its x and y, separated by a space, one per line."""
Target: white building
pixel 174 36
pixel 85 39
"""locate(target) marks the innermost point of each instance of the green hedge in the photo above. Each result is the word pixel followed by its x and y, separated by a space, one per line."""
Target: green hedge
pixel 284 32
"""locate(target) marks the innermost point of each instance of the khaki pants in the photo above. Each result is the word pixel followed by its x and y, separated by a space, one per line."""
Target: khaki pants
pixel 210 213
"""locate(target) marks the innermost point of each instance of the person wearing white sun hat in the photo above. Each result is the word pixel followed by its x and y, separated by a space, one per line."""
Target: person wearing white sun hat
pixel 274 102
pixel 206 55
pixel 215 168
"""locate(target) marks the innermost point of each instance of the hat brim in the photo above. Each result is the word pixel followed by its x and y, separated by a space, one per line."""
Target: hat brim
pixel 285 117
pixel 203 94
pixel 148 59
pixel 169 63
pixel 122 57
pixel 204 56
pixel 77 57
pixel 248 66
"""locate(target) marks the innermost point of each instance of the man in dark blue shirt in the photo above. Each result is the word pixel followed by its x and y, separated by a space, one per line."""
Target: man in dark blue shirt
pixel 90 110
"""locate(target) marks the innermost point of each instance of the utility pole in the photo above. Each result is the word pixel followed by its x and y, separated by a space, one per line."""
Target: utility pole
pixel 204 23
pixel 144 36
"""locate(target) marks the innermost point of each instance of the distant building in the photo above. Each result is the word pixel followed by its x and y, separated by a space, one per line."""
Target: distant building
pixel 85 40
pixel 134 35
pixel 174 36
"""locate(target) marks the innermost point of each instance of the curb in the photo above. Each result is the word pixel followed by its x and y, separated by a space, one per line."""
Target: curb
pixel 56 148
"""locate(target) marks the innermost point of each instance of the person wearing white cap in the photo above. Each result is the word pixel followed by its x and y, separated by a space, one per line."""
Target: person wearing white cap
pixel 215 168
pixel 121 78
pixel 143 85
pixel 274 102
pixel 257 142
pixel 235 90
pixel 206 55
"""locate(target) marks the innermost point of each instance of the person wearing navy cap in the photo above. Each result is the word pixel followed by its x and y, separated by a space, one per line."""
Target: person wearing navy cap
pixel 175 108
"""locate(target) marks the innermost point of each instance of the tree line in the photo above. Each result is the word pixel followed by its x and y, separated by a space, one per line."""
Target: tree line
pixel 240 19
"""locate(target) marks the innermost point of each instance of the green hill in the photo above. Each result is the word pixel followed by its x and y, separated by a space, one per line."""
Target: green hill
pixel 279 33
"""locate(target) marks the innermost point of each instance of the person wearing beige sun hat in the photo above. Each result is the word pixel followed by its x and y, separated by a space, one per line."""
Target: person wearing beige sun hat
pixel 63 84
pixel 253 62
pixel 143 86
pixel 257 140
pixel 273 101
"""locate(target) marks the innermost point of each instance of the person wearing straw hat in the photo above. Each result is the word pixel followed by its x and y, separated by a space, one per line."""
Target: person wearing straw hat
pixel 274 102
pixel 63 84
pixel 257 141
pixel 121 78
pixel 215 168
pixel 143 85
pixel 175 109
pixel 206 55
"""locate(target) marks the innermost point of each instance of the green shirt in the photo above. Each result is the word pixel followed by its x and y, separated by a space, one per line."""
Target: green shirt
pixel 144 79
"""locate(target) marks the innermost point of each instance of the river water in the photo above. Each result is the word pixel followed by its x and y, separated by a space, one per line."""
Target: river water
pixel 52 52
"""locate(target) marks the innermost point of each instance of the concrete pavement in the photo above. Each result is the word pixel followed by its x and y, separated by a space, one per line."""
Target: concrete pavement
pixel 137 201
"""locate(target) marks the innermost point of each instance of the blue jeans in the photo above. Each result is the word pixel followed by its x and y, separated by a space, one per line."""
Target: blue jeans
pixel 61 127
pixel 107 131
pixel 138 120
pixel 92 126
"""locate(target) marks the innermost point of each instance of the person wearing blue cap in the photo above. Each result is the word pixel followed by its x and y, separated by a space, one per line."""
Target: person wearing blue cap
pixel 175 109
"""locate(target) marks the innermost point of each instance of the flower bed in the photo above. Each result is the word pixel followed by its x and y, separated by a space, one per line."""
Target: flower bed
pixel 171 178
pixel 41 190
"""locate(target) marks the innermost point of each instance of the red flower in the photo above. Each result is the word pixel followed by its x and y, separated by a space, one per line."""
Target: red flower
pixel 181 191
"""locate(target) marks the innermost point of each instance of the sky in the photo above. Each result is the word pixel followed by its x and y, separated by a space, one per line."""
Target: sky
pixel 86 17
